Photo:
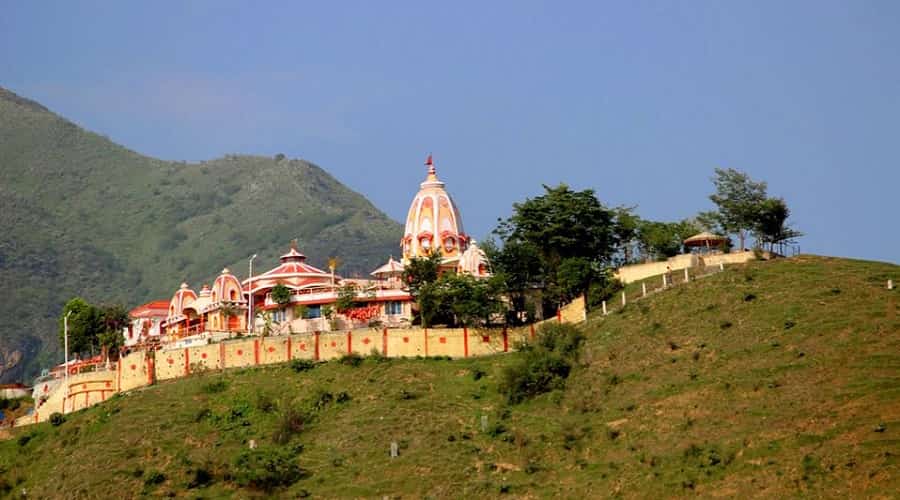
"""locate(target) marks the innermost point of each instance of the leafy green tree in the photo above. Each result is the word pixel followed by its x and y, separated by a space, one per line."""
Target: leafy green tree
pixel 93 328
pixel 547 231
pixel 346 297
pixel 659 240
pixel 738 199
pixel 421 270
pixel 771 223
pixel 84 323
pixel 626 227
pixel 281 294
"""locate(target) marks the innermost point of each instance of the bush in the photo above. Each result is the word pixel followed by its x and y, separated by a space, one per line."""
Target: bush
pixel 563 338
pixel 202 477
pixel 267 469
pixel 57 419
pixel 302 365
pixel 544 365
pixel 265 403
pixel 289 424
pixel 24 439
pixel 214 387
pixel 351 359
pixel 154 477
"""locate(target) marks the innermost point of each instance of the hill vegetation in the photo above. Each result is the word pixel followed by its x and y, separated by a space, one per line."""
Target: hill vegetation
pixel 774 379
pixel 83 216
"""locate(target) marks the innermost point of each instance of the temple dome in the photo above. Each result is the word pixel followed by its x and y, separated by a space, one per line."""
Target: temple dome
pixel 433 222
pixel 227 288
pixel 474 261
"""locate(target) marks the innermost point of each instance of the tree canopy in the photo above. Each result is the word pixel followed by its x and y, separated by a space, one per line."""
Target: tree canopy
pixel 738 199
pixel 561 242
pixel 93 328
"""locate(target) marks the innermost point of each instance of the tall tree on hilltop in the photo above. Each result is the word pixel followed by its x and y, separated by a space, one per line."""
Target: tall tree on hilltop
pixel 771 223
pixel 739 199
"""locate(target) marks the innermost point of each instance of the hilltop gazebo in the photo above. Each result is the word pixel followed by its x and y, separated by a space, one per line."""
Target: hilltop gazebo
pixel 706 242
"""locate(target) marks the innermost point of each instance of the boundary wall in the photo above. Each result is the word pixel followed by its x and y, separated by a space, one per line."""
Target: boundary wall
pixel 143 368
pixel 637 272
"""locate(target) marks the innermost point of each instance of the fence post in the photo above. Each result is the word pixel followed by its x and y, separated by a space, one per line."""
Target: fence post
pixel 623 298
pixel 721 266
pixel 687 277
pixel 664 280
pixel 643 289
pixel 890 284
pixel 604 308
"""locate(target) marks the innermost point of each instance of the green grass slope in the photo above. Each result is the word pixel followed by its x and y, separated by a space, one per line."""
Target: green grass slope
pixel 81 215
pixel 779 379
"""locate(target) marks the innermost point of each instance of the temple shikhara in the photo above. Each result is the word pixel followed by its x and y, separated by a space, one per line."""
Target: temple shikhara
pixel 309 304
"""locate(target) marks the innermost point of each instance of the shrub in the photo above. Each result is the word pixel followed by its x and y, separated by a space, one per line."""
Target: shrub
pixel 537 372
pixel 154 477
pixel 302 365
pixel 544 365
pixel 562 338
pixel 214 387
pixel 202 477
pixel 266 469
pixel 265 403
pixel 351 359
pixel 57 419
pixel 24 439
pixel 478 373
pixel 289 424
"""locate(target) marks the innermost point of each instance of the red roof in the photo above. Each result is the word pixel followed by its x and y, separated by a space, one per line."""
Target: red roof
pixel 150 309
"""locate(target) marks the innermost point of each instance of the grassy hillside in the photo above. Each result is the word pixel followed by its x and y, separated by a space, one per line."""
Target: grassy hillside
pixel 772 380
pixel 84 216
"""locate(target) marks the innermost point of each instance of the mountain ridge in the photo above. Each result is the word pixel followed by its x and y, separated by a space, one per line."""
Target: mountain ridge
pixel 82 215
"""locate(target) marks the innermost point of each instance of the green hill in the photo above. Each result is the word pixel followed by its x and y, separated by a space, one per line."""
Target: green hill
pixel 776 379
pixel 83 216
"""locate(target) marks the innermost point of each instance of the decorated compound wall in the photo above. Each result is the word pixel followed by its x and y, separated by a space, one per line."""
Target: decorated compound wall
pixel 142 368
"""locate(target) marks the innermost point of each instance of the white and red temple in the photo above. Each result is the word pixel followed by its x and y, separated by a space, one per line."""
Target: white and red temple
pixel 433 224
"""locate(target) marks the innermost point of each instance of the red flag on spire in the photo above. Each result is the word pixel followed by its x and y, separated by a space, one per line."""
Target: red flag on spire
pixel 429 161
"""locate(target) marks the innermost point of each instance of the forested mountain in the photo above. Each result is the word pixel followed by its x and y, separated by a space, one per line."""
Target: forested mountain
pixel 81 215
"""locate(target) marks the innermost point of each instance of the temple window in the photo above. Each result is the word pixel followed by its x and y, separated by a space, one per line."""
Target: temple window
pixel 233 296
pixel 425 243
pixel 449 244
pixel 313 312
pixel 393 307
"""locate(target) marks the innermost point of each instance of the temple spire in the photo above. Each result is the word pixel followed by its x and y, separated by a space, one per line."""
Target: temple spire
pixel 430 163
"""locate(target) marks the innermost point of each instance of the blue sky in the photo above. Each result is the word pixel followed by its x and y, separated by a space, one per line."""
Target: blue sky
pixel 637 100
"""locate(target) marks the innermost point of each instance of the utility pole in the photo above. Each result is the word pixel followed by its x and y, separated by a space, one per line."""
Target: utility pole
pixel 250 293
pixel 66 342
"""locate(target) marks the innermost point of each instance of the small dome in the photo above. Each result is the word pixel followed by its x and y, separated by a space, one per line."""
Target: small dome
pixel 227 288
pixel 474 261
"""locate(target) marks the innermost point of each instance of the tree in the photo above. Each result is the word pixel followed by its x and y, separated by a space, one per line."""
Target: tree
pixel 659 240
pixel 626 228
pixel 113 321
pixel 739 199
pixel 281 294
pixel 346 297
pixel 93 328
pixel 771 223
pixel 421 270
pixel 550 229
pixel 84 321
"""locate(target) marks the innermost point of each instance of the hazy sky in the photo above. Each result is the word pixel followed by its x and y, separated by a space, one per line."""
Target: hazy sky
pixel 638 100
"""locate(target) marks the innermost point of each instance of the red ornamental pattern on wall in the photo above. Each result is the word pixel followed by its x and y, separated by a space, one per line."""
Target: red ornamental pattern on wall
pixel 363 313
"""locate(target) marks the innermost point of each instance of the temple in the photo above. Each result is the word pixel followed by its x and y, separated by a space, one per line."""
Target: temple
pixel 297 297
